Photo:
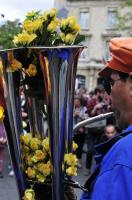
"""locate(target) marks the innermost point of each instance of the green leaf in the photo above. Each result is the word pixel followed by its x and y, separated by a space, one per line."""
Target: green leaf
pixel 79 38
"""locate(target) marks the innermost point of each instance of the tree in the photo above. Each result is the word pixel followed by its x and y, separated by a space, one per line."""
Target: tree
pixel 7 31
pixel 125 17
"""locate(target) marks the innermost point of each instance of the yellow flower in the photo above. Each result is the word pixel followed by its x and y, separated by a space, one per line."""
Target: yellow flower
pixel 71 21
pixel 32 70
pixel 30 172
pixel 74 146
pixel 25 139
pixel 24 38
pixel 35 143
pixel 45 144
pixel 14 66
pixel 33 26
pixel 56 21
pixel 63 37
pixel 1 113
pixel 53 12
pixel 29 160
pixel 64 23
pixel 52 27
pixel 29 194
pixel 44 168
pixel 70 159
pixel 39 155
pixel 70 38
pixel 41 178
pixel 71 171
pixel 15 40
pixel 77 28
pixel 27 25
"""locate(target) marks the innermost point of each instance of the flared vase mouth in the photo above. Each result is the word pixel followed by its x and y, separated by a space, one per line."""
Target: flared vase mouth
pixel 45 47
pixel 57 47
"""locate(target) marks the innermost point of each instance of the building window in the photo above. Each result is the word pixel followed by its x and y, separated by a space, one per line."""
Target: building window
pixel 80 81
pixel 112 19
pixel 84 20
pixel 85 53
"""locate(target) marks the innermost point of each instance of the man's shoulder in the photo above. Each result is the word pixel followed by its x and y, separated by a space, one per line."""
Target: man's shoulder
pixel 119 154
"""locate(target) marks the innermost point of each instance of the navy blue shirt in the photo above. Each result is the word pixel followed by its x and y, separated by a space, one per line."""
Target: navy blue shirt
pixel 114 181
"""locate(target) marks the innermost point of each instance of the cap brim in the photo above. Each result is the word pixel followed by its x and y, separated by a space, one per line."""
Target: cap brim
pixel 115 65
pixel 106 72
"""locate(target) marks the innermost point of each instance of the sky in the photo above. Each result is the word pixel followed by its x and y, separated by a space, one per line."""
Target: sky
pixel 13 9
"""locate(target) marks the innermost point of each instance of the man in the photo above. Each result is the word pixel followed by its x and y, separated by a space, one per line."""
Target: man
pixel 113 179
pixel 110 132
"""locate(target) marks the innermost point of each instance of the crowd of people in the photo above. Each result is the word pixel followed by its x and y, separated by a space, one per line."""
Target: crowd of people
pixel 86 105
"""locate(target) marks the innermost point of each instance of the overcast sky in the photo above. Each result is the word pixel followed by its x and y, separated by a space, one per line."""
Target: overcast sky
pixel 13 9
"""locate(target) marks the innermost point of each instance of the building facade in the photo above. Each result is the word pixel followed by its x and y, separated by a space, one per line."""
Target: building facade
pixel 98 19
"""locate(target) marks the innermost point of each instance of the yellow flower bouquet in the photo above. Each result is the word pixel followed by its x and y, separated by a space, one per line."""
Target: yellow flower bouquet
pixel 45 29
pixel 36 159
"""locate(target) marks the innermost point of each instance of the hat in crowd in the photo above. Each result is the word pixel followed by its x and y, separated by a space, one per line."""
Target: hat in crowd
pixel 120 56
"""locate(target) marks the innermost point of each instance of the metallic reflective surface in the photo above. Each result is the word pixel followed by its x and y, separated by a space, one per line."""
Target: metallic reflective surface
pixel 12 121
pixel 59 70
pixel 58 67
pixel 92 120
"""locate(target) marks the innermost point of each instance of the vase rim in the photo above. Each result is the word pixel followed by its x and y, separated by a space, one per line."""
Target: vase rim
pixel 2 50
pixel 45 47
pixel 56 47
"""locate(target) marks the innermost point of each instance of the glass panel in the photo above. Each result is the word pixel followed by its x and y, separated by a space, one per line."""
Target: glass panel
pixel 112 19
pixel 85 53
pixel 80 81
pixel 84 20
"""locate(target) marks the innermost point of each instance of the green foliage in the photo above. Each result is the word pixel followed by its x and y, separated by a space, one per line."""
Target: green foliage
pixel 7 32
pixel 125 18
pixel 79 39
pixel 128 3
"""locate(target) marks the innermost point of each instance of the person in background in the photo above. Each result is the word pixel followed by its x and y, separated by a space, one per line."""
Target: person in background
pixel 82 94
pixel 79 114
pixel 113 177
pixel 94 99
pixel 94 131
pixel 110 132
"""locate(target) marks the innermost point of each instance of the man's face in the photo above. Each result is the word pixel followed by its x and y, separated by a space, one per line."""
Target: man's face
pixel 120 99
